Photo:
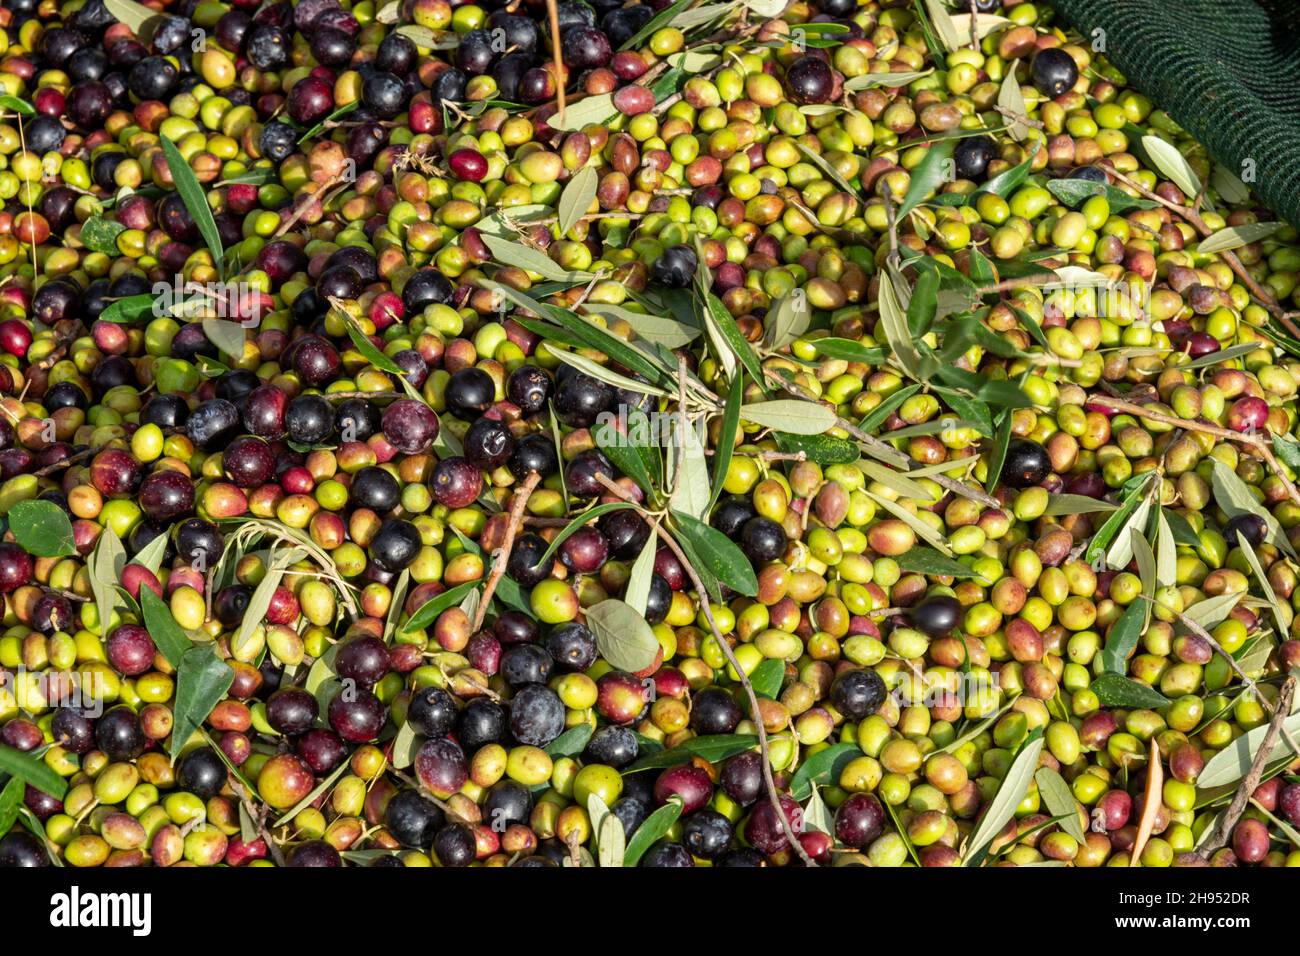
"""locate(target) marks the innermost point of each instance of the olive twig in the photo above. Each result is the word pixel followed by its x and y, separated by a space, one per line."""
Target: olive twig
pixel 1251 780
pixel 754 710
pixel 553 13
pixel 259 820
pixel 502 556
pixel 1235 264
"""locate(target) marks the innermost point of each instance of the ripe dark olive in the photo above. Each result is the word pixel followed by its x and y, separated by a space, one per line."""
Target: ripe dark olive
pixel 858 693
pixel 454 845
pixel 536 715
pixel 1054 72
pixel 526 664
pixel 936 616
pixel 212 424
pixel 165 411
pixel 321 750
pixel 534 452
pixel 314 853
pixel 706 834
pixel 526 565
pixel 715 711
pixel 249 462
pixel 432 711
pixel 585 551
pixel 73 731
pixel 358 419
pixel 810 80
pixel 469 393
pixel 357 715
pixel 119 735
pixel 1250 526
pixel 676 267
pixel 689 783
pixel 585 47
pixel 515 627
pixel 580 475
pixel 579 400
pixel 572 646
pixel 363 659
pixel 528 388
pixel 1027 464
pixel 413 819
pixel 481 722
pixel 859 820
pixel 614 746
pixel 456 483
pixel 667 855
pixel 376 489
pixel 762 540
pixel 488 444
pixel 973 155
pixel 395 545
pixel 291 710
pixel 631 812
pixel 659 600
pixel 20 849
pixel 202 773
pixel 507 802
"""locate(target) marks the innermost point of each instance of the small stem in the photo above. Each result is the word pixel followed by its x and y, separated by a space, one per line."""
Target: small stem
pixel 258 819
pixel 1251 781
pixel 552 11
pixel 502 556
pixel 757 715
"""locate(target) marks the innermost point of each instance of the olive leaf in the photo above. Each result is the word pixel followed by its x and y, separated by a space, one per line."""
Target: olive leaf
pixel 196 201
pixel 167 635
pixel 820 768
pixel 876 417
pixel 670 333
pixel 522 257
pixel 1224 355
pixel 1234 761
pixel 1007 181
pixel 927 561
pixel 1075 192
pixel 105 568
pixel 100 235
pixel 587 517
pixel 334 116
pixel 985 23
pixel 1003 805
pixel 823 449
pixel 599 372
pixel 577 197
pixel 151 555
pixel 637 592
pixel 23 108
pixel 130 309
pixel 1064 504
pixel 611 841
pixel 978 729
pixel 133 14
pixel 1230 189
pixel 945 27
pixel 32 770
pixel 428 612
pixel 1060 801
pixel 894 80
pixel 652 828
pixel 42 528
pixel 927 176
pixel 726 440
pixel 1172 165
pixel 11 798
pixel 1281 614
pixel 719 554
pixel 767 678
pixel 787 319
pixel 790 415
pixel 712 747
pixel 406 745
pixel 589 110
pixel 260 602
pixel 227 336
pixel 848 350
pixel 1123 637
pixel 691 493
pixel 570 743
pixel 908 518
pixel 1011 99
pixel 623 636
pixel 1235 497
pixel 727 339
pixel 1166 552
pixel 998 457
pixel 632 453
pixel 1235 237
pixel 426 38
pixel 893 322
pixel 201 681
pixel 817 817
pixel 1116 690
pixel 1212 612
pixel 312 797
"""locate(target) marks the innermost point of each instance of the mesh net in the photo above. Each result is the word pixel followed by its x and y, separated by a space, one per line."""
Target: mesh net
pixel 1226 72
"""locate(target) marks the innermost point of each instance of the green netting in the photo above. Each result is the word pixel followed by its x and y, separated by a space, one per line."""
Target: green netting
pixel 1226 71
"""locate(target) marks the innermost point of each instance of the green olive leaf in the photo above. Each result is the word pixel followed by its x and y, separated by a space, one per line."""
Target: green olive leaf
pixel 793 416
pixel 201 682
pixel 637 592
pixel 577 197
pixel 42 528
pixel 1011 99
pixel 927 561
pixel 712 747
pixel 1123 637
pixel 634 453
pixel 691 494
pixel 169 637
pixel 100 235
pixel 923 530
pixel 406 745
pixel 1235 497
pixel 821 768
pixel 1003 805
pixel 130 309
pixel 589 110
pixel 767 678
pixel 23 108
pixel 1233 762
pixel 788 318
pixel 927 176
pixel 31 769
pixel 312 797
pixel 623 635
pixel 823 449
pixel 1235 237
pixel 227 336
pixel 196 202
pixel 586 518
pixel 1281 613
pixel 11 798
pixel 848 350
pixel 727 440
pixel 1172 165
pixel 570 743
pixel 1116 690
pixel 888 79
pixel 652 828
pixel 532 260
pixel 720 554
pixel 1075 192
pixel 134 15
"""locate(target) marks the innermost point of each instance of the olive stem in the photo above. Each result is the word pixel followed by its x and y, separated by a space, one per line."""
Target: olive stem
pixel 258 820
pixel 1261 445
pixel 1235 264
pixel 553 12
pixel 502 556
pixel 1251 780
pixel 377 396
pixel 707 608
pixel 896 456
